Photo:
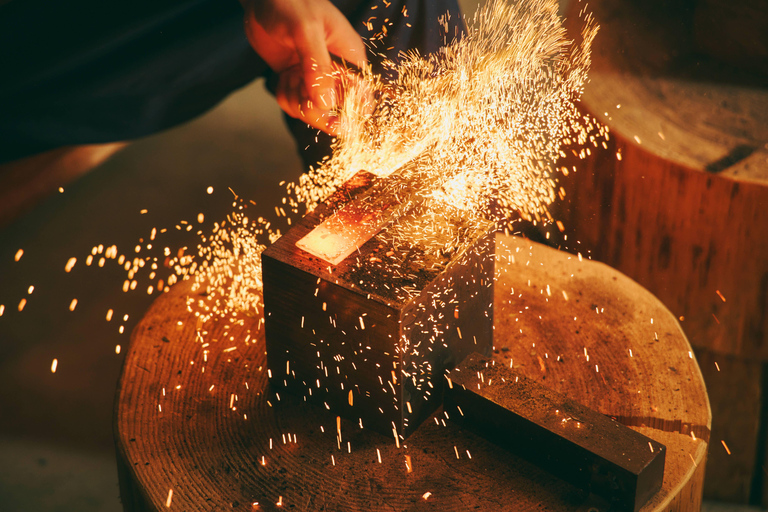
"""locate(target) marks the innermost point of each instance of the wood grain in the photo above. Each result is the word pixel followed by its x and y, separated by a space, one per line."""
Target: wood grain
pixel 683 212
pixel 206 439
pixel 677 200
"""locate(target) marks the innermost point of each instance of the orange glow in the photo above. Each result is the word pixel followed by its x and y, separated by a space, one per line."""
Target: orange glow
pixel 343 233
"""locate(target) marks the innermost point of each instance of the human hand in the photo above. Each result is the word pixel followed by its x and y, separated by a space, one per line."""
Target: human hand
pixel 295 38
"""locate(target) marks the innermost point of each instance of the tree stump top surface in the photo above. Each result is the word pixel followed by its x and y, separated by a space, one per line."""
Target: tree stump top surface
pixel 197 427
pixel 650 84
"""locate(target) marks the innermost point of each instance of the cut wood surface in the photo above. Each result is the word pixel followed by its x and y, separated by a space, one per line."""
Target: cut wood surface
pixel 197 427
pixel 678 199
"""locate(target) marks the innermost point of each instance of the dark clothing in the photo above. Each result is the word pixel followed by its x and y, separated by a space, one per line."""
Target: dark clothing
pixel 90 71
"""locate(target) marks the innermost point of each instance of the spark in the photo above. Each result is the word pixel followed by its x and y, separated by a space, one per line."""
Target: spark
pixel 725 446
pixel 54 365
pixel 18 255
pixel 70 264
pixel 169 498
pixel 480 122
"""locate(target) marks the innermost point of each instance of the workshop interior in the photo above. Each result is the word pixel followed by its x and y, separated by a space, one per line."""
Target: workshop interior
pixel 528 272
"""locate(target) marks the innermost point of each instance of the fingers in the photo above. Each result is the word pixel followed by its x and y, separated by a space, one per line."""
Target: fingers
pixel 315 62
pixel 329 33
pixel 296 39
pixel 292 98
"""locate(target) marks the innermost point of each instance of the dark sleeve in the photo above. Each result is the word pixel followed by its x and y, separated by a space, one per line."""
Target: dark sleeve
pixel 90 71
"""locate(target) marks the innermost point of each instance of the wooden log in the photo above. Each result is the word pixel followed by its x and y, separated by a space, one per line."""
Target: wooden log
pixel 678 199
pixel 683 210
pixel 348 336
pixel 203 423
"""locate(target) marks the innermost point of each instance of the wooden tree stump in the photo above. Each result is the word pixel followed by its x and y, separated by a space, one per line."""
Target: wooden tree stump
pixel 678 199
pixel 197 427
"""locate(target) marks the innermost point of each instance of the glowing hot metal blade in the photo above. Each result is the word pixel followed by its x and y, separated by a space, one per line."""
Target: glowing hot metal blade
pixel 342 234
pixel 358 221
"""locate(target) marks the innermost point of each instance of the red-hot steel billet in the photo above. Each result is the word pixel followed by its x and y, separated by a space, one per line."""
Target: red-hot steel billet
pixel 579 445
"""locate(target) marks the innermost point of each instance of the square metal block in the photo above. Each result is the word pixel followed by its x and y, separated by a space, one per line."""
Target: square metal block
pixel 350 339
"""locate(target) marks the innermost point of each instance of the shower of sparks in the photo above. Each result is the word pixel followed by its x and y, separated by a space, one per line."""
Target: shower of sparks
pixel 229 266
pixel 467 134
pixel 472 131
